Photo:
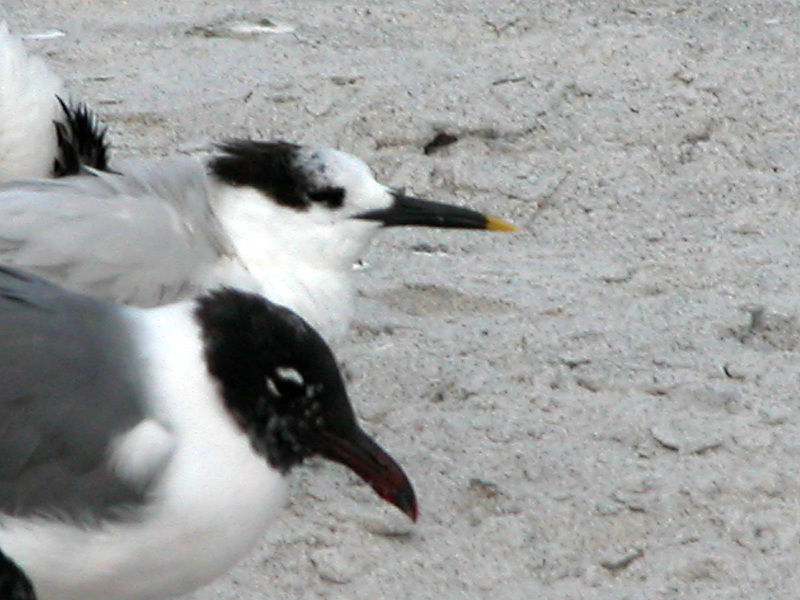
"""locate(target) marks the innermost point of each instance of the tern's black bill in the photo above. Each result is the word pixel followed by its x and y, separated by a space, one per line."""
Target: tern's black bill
pixel 408 211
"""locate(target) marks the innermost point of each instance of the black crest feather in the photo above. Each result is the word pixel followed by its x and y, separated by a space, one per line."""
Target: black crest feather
pixel 81 141
pixel 275 168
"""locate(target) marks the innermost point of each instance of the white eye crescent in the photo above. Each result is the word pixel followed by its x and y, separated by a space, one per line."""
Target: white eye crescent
pixel 290 374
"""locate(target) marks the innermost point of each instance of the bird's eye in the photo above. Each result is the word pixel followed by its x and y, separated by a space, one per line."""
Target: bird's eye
pixel 332 197
pixel 286 383
pixel 290 389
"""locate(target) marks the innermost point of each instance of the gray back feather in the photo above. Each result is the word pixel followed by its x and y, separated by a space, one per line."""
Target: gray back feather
pixel 142 238
pixel 66 389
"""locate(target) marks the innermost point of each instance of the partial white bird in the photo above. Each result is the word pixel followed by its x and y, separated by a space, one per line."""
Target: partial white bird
pixel 41 135
pixel 285 220
pixel 144 451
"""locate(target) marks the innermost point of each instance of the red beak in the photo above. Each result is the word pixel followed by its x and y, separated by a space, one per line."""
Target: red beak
pixel 371 462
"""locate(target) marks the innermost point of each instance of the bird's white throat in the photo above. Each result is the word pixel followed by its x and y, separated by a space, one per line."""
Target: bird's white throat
pixel 305 255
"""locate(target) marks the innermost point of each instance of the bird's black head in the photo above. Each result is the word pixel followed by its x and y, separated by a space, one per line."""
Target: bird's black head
pixel 285 172
pixel 281 383
pixel 302 177
pixel 14 585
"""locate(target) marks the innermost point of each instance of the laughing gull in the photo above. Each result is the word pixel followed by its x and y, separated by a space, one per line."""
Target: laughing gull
pixel 14 585
pixel 41 135
pixel 144 451
pixel 285 220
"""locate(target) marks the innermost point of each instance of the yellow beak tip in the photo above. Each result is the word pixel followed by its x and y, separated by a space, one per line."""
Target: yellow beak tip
pixel 498 224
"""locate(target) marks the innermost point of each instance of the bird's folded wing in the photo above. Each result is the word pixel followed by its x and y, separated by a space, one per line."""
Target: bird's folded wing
pixel 144 238
pixel 70 400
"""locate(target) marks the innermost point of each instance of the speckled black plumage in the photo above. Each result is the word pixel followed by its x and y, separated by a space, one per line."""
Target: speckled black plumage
pixel 81 141
pixel 277 169
pixel 277 376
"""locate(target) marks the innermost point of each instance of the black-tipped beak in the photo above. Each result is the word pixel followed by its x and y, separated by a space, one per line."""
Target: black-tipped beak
pixel 423 213
pixel 371 462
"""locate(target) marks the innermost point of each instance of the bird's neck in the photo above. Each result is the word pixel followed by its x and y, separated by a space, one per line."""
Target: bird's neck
pixel 299 262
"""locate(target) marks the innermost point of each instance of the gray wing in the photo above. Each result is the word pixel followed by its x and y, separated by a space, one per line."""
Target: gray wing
pixel 142 238
pixel 67 389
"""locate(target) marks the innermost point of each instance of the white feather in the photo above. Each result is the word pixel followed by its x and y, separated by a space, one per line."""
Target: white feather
pixel 140 455
pixel 302 259
pixel 28 107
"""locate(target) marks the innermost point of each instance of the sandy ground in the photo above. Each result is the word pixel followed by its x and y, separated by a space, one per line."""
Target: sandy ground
pixel 604 406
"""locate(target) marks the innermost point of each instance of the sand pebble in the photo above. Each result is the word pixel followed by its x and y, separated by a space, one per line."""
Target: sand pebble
pixel 614 273
pixel 49 34
pixel 774 415
pixel 761 482
pixel 753 439
pixel 618 560
pixel 653 234
pixel 688 435
pixel 335 565
pixel 767 531
pixel 389 525
pixel 241 28
pixel 591 383
pixel 735 370
pixel 607 508
pixel 721 396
